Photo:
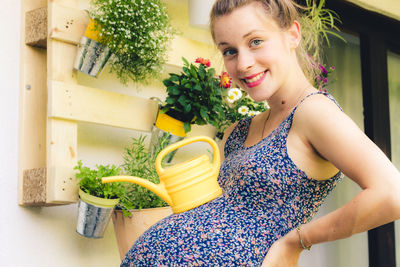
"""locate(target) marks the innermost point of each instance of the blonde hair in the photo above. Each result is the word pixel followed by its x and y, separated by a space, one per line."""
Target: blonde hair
pixel 284 13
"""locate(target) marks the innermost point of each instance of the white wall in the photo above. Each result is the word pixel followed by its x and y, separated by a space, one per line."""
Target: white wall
pixel 41 236
pixel 45 236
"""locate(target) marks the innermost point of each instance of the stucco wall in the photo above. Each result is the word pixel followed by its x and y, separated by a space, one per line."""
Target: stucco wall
pixel 390 8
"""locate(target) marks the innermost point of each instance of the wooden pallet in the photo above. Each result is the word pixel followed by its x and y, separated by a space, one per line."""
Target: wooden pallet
pixel 52 103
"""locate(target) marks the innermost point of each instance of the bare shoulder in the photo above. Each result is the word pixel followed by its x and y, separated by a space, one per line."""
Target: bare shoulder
pixel 339 140
pixel 319 114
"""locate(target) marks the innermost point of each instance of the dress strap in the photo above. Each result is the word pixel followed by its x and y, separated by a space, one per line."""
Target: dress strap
pixel 315 93
pixel 237 137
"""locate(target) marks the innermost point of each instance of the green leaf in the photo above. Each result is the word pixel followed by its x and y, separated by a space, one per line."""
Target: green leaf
pixel 193 71
pixel 187 127
pixel 186 71
pixel 173 90
pixel 167 83
pixel 187 108
pixel 202 72
pixel 170 100
pixel 182 100
pixel 185 62
pixel 197 87
pixel 203 112
pixel 174 77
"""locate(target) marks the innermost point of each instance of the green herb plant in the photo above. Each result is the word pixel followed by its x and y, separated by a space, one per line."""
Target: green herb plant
pixel 138 32
pixel 140 162
pixel 194 95
pixel 89 180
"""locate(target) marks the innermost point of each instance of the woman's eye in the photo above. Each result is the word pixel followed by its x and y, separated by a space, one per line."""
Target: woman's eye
pixel 229 52
pixel 255 42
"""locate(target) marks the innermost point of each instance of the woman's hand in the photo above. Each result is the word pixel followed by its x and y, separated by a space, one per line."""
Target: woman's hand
pixel 285 252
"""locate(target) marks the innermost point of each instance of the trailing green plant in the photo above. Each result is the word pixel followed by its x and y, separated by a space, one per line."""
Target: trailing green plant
pixel 318 22
pixel 194 95
pixel 139 161
pixel 138 32
pixel 89 180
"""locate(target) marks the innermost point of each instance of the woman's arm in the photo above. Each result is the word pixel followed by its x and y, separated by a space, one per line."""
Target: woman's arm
pixel 337 138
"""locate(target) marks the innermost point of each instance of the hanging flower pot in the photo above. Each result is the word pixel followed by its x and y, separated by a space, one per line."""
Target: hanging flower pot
pixel 96 200
pixel 94 213
pixel 168 129
pixel 92 56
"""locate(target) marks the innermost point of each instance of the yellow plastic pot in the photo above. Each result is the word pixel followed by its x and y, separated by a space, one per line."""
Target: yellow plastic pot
pixel 170 125
pixel 91 32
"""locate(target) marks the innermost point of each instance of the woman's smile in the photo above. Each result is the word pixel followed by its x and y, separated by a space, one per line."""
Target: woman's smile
pixel 254 80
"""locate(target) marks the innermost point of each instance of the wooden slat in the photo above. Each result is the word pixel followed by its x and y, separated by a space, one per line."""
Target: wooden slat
pixel 61 137
pixel 67 24
pixel 81 103
pixel 62 145
pixel 32 109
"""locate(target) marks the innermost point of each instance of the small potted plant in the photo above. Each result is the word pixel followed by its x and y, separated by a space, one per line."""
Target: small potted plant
pixel 237 105
pixel 194 97
pixel 136 32
pixel 139 208
pixel 96 200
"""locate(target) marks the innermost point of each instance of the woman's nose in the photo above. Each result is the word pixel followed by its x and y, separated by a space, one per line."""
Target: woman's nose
pixel 245 61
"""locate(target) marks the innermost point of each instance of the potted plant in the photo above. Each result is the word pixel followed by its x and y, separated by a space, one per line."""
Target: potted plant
pixel 139 208
pixel 237 105
pixel 136 32
pixel 193 97
pixel 96 200
pixel 91 56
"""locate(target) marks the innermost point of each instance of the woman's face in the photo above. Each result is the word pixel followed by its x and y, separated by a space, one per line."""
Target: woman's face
pixel 256 52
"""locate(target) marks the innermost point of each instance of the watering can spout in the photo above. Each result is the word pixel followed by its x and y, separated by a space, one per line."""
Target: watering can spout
pixel 158 189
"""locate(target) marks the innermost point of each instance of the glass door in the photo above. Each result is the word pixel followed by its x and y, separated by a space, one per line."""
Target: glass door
pixel 394 111
pixel 346 87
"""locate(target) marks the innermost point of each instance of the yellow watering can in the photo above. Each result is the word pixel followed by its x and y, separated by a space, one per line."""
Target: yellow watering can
pixel 185 185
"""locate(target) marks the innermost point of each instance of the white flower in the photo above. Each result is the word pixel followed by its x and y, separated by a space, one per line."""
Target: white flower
pixel 237 92
pixel 231 98
pixel 234 94
pixel 243 110
pixel 252 113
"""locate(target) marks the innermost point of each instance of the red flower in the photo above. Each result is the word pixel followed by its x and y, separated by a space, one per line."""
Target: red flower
pixel 225 80
pixel 205 62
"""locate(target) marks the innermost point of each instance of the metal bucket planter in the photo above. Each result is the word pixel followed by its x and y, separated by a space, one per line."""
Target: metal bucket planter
pixel 166 127
pixel 94 213
pixel 92 56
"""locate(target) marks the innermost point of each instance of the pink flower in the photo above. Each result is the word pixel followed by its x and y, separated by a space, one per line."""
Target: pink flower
pixel 205 62
pixel 323 70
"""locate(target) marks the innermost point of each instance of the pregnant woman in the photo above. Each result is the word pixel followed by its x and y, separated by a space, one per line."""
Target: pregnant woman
pixel 279 165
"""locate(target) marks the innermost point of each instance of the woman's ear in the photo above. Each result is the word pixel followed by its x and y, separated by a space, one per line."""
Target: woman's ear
pixel 294 34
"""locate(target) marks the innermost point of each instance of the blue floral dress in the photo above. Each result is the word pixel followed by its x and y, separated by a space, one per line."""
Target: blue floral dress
pixel 265 195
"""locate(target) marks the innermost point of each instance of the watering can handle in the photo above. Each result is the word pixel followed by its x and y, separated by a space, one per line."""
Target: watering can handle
pixel 168 149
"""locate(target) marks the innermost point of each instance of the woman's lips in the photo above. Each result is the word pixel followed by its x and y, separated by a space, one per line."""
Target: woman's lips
pixel 255 80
